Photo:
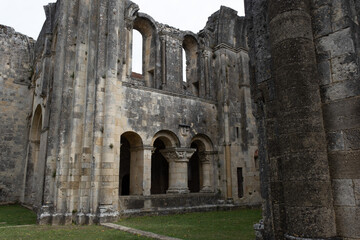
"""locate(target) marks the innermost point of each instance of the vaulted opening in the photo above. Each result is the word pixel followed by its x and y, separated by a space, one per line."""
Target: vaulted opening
pixel 131 164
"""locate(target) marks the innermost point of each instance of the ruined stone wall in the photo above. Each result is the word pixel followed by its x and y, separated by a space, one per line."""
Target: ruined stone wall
pixel 85 98
pixel 336 36
pixel 16 56
pixel 305 54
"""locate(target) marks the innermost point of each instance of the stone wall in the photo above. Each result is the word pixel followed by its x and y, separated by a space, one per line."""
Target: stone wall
pixel 16 56
pixel 305 63
pixel 336 37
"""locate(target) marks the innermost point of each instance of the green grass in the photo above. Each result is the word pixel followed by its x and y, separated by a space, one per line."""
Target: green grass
pixel 64 233
pixel 11 215
pixel 230 225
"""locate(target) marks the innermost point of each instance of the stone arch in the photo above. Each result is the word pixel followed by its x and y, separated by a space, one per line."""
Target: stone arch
pixel 159 164
pixel 168 137
pixel 191 47
pixel 33 164
pixel 199 168
pixel 147 28
pixel 131 164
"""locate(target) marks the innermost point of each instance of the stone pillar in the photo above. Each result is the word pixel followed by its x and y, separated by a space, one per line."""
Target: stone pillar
pixel 146 184
pixel 178 159
pixel 205 160
pixel 301 160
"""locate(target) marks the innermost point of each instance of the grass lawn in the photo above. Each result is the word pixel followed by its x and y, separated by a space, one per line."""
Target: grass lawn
pixel 11 215
pixel 64 233
pixel 229 225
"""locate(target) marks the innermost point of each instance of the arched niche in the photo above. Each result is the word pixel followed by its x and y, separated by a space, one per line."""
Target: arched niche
pixel 33 174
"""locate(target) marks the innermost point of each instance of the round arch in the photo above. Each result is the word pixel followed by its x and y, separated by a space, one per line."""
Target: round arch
pixel 168 138
pixel 131 163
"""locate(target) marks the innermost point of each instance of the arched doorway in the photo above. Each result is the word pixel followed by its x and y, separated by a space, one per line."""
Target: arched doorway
pixel 200 171
pixel 131 164
pixel 160 174
pixel 31 187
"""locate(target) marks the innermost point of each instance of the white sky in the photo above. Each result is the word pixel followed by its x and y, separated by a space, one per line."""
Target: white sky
pixel 27 16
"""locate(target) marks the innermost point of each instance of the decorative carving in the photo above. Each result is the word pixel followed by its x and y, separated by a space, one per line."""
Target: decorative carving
pixel 178 154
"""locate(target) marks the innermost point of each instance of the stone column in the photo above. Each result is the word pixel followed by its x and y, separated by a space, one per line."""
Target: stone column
pixel 178 159
pixel 146 184
pixel 301 161
pixel 205 160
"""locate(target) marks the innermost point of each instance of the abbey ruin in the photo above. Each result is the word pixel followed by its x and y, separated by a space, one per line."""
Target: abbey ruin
pixel 86 140
pixel 272 97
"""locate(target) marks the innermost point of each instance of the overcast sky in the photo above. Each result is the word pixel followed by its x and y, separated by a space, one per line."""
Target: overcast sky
pixel 27 16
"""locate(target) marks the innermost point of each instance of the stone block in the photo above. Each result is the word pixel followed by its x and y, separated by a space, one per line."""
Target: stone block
pixel 348 221
pixel 342 114
pixel 344 165
pixel 280 6
pixel 290 25
pixel 324 69
pixel 307 193
pixel 338 43
pixel 357 191
pixel 292 52
pixel 335 141
pixel 352 139
pixel 343 191
pixel 344 68
pixel 310 222
pixel 322 19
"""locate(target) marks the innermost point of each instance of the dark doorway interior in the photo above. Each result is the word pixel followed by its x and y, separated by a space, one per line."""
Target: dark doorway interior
pixel 240 183
pixel 194 171
pixel 124 175
pixel 159 170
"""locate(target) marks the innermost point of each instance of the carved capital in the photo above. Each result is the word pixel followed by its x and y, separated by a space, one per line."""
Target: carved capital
pixel 178 154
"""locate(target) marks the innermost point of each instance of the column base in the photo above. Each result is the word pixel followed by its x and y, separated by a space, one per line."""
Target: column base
pixel 107 214
pixel 206 189
pixel 177 191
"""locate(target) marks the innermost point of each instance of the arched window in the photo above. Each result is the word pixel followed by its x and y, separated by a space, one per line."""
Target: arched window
pixel 184 66
pixel 190 64
pixel 147 31
pixel 137 55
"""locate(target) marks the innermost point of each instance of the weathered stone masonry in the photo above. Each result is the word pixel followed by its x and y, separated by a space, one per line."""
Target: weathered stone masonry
pixel 305 61
pixel 104 141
